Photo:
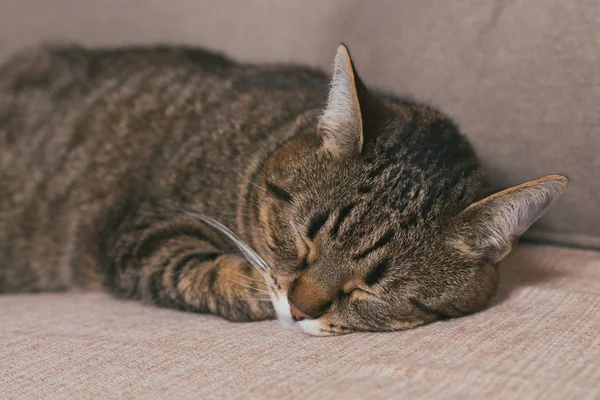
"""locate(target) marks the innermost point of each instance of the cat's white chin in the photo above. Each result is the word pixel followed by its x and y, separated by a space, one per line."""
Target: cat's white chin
pixel 284 315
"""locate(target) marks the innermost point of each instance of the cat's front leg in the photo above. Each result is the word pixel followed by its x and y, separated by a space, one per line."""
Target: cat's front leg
pixel 227 286
pixel 173 265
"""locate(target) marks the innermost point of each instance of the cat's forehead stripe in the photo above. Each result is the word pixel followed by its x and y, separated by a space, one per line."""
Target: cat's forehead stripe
pixel 382 241
pixel 342 215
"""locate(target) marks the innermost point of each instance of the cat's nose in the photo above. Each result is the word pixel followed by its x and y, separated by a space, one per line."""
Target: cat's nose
pixel 297 314
pixel 306 300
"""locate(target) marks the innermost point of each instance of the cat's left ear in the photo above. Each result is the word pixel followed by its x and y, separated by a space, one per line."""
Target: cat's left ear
pixel 489 228
pixel 351 110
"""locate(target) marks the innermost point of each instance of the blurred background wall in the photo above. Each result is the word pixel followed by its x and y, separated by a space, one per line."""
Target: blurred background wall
pixel 521 77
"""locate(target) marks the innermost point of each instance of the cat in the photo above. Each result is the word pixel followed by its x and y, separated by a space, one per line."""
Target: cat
pixel 349 210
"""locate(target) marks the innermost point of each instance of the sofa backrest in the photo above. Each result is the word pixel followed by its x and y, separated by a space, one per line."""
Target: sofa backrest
pixel 522 78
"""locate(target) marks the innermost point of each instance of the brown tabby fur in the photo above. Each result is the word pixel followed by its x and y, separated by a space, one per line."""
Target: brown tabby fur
pixel 364 212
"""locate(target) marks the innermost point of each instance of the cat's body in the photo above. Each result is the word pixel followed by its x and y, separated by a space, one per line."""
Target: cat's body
pixel 101 150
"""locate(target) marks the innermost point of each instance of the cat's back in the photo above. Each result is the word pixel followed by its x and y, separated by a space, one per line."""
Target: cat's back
pixel 47 93
pixel 66 112
pixel 50 92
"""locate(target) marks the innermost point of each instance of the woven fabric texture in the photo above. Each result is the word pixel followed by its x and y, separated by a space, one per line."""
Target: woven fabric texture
pixel 539 340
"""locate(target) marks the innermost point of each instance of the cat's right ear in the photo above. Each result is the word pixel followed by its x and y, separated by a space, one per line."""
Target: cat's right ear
pixel 489 228
pixel 350 108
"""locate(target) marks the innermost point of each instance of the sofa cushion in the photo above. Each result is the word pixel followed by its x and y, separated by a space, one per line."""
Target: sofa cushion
pixel 520 77
pixel 539 339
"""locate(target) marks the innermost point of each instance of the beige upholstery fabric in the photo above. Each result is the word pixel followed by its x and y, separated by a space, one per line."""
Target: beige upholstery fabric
pixel 521 77
pixel 541 340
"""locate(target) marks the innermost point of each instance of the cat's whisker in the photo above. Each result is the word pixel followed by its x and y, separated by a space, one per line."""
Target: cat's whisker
pixel 241 254
pixel 252 256
pixel 293 146
pixel 248 278
pixel 254 165
pixel 260 296
pixel 250 182
pixel 248 286
pixel 262 272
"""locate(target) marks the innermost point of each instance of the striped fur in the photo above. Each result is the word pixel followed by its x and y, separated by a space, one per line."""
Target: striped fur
pixel 356 215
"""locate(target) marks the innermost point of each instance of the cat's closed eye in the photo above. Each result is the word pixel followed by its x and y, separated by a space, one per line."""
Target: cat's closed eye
pixel 357 294
pixel 303 264
pixel 307 250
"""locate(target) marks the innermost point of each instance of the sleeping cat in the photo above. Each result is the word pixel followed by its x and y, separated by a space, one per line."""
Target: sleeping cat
pixel 349 210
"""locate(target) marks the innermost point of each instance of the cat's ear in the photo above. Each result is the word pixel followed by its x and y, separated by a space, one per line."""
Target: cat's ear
pixel 350 108
pixel 489 228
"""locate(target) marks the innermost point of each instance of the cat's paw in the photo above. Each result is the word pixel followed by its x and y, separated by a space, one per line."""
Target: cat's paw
pixel 241 289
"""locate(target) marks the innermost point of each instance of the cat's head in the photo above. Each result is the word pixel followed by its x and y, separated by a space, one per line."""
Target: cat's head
pixel 374 220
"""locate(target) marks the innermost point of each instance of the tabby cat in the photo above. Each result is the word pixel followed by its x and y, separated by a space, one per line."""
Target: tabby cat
pixel 349 210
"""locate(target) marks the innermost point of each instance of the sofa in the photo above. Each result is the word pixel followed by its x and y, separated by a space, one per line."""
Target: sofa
pixel 521 78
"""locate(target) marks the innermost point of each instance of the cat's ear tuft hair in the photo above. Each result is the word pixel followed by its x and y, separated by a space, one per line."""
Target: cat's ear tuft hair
pixel 489 228
pixel 349 106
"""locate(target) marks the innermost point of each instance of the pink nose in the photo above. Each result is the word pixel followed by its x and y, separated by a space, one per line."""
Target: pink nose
pixel 297 314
